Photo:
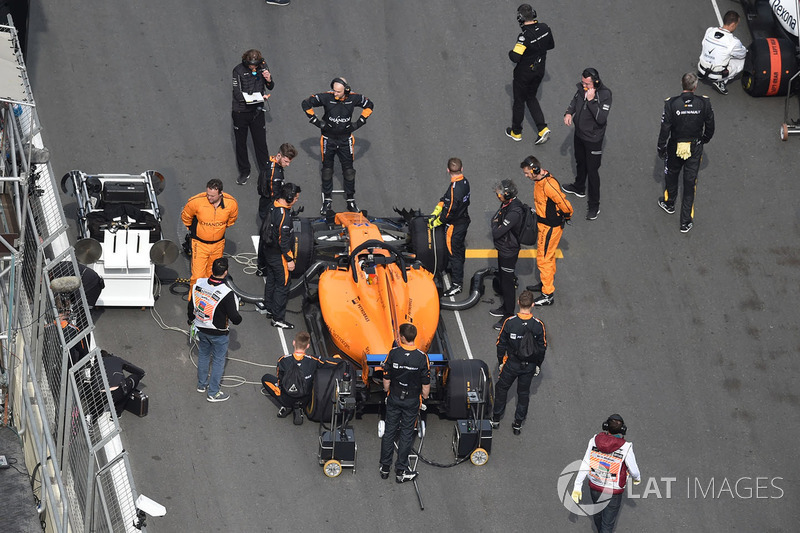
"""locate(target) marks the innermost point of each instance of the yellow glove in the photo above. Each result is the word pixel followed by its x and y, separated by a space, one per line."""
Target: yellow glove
pixel 435 221
pixel 684 150
pixel 576 496
pixel 637 481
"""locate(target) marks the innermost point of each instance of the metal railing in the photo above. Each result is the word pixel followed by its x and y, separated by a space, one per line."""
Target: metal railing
pixel 55 391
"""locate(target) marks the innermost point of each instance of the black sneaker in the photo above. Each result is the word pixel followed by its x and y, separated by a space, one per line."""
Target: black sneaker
pixel 384 471
pixel 516 427
pixel 326 206
pixel 543 136
pixel 278 2
pixel 720 87
pixel 497 312
pixel 499 325
pixel 571 189
pixel 298 417
pixel 513 134
pixel 666 207
pixel 401 476
pixel 495 423
pixel 454 289
pixel 282 324
pixel 243 177
pixel 535 288
pixel 351 205
pixel 686 227
pixel 283 412
pixel 545 299
pixel 592 213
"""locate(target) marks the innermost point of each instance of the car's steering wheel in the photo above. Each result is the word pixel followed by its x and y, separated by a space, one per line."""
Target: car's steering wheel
pixel 374 243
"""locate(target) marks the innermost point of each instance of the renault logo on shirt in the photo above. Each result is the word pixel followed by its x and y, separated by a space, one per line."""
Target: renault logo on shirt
pixel 687 112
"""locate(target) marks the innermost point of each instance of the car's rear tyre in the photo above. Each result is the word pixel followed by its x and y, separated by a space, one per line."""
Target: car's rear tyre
pixel 769 65
pixel 320 408
pixel 429 245
pixel 303 247
pixel 461 372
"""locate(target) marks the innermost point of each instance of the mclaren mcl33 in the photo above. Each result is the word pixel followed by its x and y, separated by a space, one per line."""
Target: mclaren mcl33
pixel 360 279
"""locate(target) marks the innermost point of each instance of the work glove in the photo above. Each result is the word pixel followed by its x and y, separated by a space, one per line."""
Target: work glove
pixel 360 122
pixel 662 152
pixel 536 372
pixel 316 121
pixel 684 150
pixel 435 221
pixel 637 481
pixel 576 496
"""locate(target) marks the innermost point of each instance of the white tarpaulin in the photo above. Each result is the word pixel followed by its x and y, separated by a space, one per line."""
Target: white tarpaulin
pixel 12 88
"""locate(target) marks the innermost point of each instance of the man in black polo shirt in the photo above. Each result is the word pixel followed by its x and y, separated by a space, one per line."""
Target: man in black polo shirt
pixel 407 382
pixel 519 360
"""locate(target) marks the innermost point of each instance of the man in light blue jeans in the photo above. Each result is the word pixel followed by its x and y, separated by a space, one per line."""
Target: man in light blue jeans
pixel 211 305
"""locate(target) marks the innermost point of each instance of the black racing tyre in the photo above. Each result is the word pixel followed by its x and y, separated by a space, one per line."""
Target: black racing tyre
pixel 460 372
pixel 769 65
pixel 320 408
pixel 429 245
pixel 303 247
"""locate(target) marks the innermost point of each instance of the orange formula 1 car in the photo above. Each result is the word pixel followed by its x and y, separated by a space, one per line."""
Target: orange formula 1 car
pixel 361 278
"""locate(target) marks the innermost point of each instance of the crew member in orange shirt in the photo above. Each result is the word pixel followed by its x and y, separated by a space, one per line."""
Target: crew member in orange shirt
pixel 553 210
pixel 207 215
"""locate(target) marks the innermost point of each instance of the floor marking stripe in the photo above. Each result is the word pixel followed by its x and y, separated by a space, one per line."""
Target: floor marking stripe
pixel 528 253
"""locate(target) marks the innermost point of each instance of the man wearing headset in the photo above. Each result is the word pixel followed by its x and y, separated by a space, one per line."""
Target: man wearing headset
pixel 506 225
pixel 276 253
pixel 608 461
pixel 529 54
pixel 553 210
pixel 337 136
pixel 588 111
pixel 251 77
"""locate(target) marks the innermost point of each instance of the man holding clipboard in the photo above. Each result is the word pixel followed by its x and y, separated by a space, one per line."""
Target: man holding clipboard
pixel 251 81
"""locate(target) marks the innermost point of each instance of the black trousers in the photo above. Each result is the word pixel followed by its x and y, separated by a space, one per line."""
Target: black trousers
pixel 276 288
pixel 513 370
pixel 253 121
pixel 524 87
pixel 400 418
pixel 587 158
pixel 506 267
pixel 606 519
pixel 458 250
pixel 690 168
pixel 342 148
pixel 264 205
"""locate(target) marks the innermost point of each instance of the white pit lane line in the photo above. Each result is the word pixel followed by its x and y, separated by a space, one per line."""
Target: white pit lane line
pixel 460 323
pixel 716 9
pixel 255 239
